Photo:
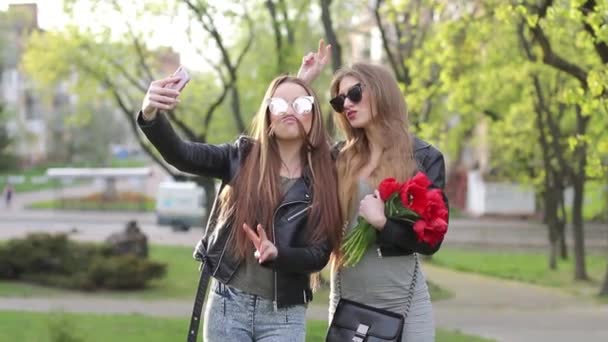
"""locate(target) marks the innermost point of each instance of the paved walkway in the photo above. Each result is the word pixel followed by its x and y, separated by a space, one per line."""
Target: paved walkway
pixel 84 304
pixel 515 312
pixel 501 310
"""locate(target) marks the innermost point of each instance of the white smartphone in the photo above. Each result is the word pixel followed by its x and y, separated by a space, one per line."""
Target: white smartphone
pixel 184 78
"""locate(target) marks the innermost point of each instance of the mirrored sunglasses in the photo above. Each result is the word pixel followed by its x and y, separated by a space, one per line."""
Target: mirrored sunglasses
pixel 301 105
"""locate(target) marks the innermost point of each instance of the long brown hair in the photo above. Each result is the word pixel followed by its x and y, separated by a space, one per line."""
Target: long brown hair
pixel 389 114
pixel 254 193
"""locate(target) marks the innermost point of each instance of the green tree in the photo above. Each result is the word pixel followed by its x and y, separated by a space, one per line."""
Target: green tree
pixel 510 67
pixel 585 22
pixel 565 86
pixel 8 161
pixel 216 104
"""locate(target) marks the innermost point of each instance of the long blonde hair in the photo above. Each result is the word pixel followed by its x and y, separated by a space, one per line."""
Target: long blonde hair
pixel 254 193
pixel 389 114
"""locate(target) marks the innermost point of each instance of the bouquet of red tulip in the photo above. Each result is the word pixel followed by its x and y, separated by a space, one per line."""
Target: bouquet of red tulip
pixel 412 201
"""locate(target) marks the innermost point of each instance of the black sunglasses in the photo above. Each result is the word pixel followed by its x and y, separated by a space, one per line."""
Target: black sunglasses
pixel 354 94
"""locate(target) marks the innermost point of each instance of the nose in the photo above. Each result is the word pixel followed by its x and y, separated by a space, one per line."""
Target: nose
pixel 348 103
pixel 290 110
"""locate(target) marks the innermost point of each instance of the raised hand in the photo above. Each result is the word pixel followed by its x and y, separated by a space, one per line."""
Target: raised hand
pixel 314 62
pixel 160 97
pixel 265 250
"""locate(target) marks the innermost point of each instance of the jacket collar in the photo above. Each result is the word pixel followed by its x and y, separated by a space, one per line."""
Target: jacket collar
pixel 299 191
pixel 420 144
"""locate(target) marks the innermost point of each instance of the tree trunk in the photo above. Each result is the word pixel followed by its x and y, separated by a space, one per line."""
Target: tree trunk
pixel 552 222
pixel 552 178
pixel 578 182
pixel 236 109
pixel 330 35
pixel 580 270
pixel 604 289
pixel 563 218
pixel 552 227
pixel 563 248
pixel 336 54
pixel 553 253
pixel 278 36
pixel 209 186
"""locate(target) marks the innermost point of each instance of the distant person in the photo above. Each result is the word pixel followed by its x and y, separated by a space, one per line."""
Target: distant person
pixel 8 194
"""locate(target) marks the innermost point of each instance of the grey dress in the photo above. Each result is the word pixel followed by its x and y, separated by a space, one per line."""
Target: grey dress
pixel 384 282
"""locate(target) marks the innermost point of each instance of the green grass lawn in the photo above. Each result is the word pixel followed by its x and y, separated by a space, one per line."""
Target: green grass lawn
pixel 179 283
pixel 47 327
pixel 182 275
pixel 523 266
pixel 129 162
pixel 78 204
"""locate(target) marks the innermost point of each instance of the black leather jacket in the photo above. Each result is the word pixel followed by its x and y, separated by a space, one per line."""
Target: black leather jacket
pixel 397 237
pixel 296 257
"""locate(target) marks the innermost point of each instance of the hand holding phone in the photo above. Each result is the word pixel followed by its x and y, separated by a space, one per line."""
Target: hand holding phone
pixel 184 78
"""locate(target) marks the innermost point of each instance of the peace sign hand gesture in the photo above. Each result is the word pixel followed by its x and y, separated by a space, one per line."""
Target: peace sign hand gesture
pixel 265 250
pixel 314 62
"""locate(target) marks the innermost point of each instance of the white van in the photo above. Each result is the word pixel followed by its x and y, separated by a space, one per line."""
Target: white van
pixel 180 205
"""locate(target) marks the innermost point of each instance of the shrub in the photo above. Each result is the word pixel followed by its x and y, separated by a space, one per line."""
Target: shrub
pixel 42 253
pixel 7 271
pixel 52 259
pixel 110 272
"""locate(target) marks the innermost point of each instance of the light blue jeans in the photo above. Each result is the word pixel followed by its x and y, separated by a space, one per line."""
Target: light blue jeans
pixel 232 315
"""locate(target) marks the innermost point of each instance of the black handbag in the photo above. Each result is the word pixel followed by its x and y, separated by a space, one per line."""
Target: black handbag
pixel 357 322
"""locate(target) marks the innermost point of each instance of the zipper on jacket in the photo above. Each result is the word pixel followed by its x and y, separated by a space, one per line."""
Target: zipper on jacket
pixel 275 302
pixel 274 272
pixel 299 213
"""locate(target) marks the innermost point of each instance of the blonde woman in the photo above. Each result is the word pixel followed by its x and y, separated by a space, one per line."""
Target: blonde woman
pixel 371 113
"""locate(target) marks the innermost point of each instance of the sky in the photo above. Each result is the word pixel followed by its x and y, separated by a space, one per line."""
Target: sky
pixel 51 17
